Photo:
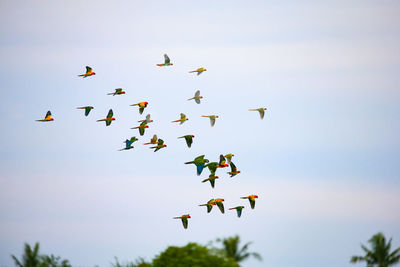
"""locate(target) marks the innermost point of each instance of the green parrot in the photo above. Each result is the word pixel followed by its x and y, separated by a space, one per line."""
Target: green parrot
pixel 238 210
pixel 184 219
pixel 252 199
pixel 129 143
pixel 212 119
pixel 159 145
pixel 229 157
pixel 220 205
pixel 196 97
pixel 234 170
pixel 260 110
pixel 87 109
pixel 212 166
pixel 211 178
pixel 200 163
pixel 141 127
pixel 109 118
pixel 209 205
pixel 188 138
pixel 118 91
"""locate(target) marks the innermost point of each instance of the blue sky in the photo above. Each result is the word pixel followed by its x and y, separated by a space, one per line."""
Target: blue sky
pixel 324 161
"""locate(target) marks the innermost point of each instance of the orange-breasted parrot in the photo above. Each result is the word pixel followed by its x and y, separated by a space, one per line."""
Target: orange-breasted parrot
pixel 160 144
pixel 141 127
pixel 184 219
pixel 200 163
pixel 252 199
pixel 209 205
pixel 87 109
pixel 211 178
pixel 129 142
pixel 234 170
pixel 153 140
pixel 167 61
pixel 196 97
pixel 238 210
pixel 109 118
pixel 260 110
pixel 148 120
pixel 220 205
pixel 229 157
pixel 141 105
pixel 222 162
pixel 47 118
pixel 212 119
pixel 199 71
pixel 182 119
pixel 89 72
pixel 118 91
pixel 188 139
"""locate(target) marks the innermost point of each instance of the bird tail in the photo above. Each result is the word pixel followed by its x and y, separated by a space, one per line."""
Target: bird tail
pixel 192 71
pixel 191 98
pixel 175 121
pixel 101 120
pixel 243 197
pixel 160 65
pixel 134 104
pixel 189 162
pixel 232 208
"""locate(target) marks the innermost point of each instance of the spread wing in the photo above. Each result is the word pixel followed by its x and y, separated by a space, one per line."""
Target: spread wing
pixel 189 140
pixel 110 114
pixel 141 110
pixel 197 94
pixel 222 160
pixel 48 115
pixel 87 110
pixel 233 167
pixel 118 90
pixel 88 69
pixel 185 222
pixel 160 142
pixel 212 121
pixel 252 202
pixel 239 212
pixel 262 113
pixel 183 116
pixel 166 58
pixel 221 206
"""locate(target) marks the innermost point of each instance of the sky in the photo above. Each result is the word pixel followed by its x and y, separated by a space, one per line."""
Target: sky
pixel 324 161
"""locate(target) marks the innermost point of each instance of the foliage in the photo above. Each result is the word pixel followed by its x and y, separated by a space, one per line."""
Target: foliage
pixel 379 255
pixel 140 262
pixel 31 258
pixel 193 255
pixel 230 246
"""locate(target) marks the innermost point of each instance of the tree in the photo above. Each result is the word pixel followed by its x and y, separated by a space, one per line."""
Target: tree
pixel 140 262
pixel 192 255
pixel 230 246
pixel 31 258
pixel 379 255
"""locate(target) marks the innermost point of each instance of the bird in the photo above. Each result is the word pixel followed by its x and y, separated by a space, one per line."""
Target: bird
pixel 47 118
pixel 212 167
pixel 220 205
pixel 234 170
pixel 182 119
pixel 188 138
pixel 260 110
pixel 199 71
pixel 129 143
pixel 118 91
pixel 109 118
pixel 211 178
pixel 209 205
pixel 152 140
pixel 141 127
pixel 160 144
pixel 184 219
pixel 148 120
pixel 142 106
pixel 238 210
pixel 212 119
pixel 87 109
pixel 222 162
pixel 167 61
pixel 200 163
pixel 89 72
pixel 196 97
pixel 252 199
pixel 229 157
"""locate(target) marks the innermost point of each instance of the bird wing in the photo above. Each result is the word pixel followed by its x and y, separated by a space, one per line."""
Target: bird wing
pixel 189 140
pixel 197 100
pixel 209 208
pixel 118 90
pixel 239 212
pixel 185 222
pixel 166 58
pixel 233 167
pixel 222 160
pixel 212 121
pixel 160 142
pixel 183 116
pixel 221 206
pixel 141 110
pixel 48 115
pixel 148 118
pixel 197 94
pixel 252 203
pixel 199 168
pixel 110 114
pixel 88 69
pixel 87 110
pixel 262 113
pixel 212 182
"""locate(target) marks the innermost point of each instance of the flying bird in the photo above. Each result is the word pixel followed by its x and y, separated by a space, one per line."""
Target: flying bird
pixel 212 167
pixel 209 205
pixel 109 118
pixel 184 219
pixel 141 127
pixel 47 118
pixel 200 162
pixel 118 91
pixel 234 170
pixel 160 144
pixel 128 143
pixel 252 199
pixel 87 109
pixel 199 71
pixel 189 139
pixel 229 157
pixel 220 205
pixel 196 97
pixel 142 106
pixel 89 72
pixel 167 61
pixel 211 178
pixel 222 162
pixel 153 140
pixel 212 119
pixel 260 110
pixel 148 120
pixel 238 210
pixel 182 119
